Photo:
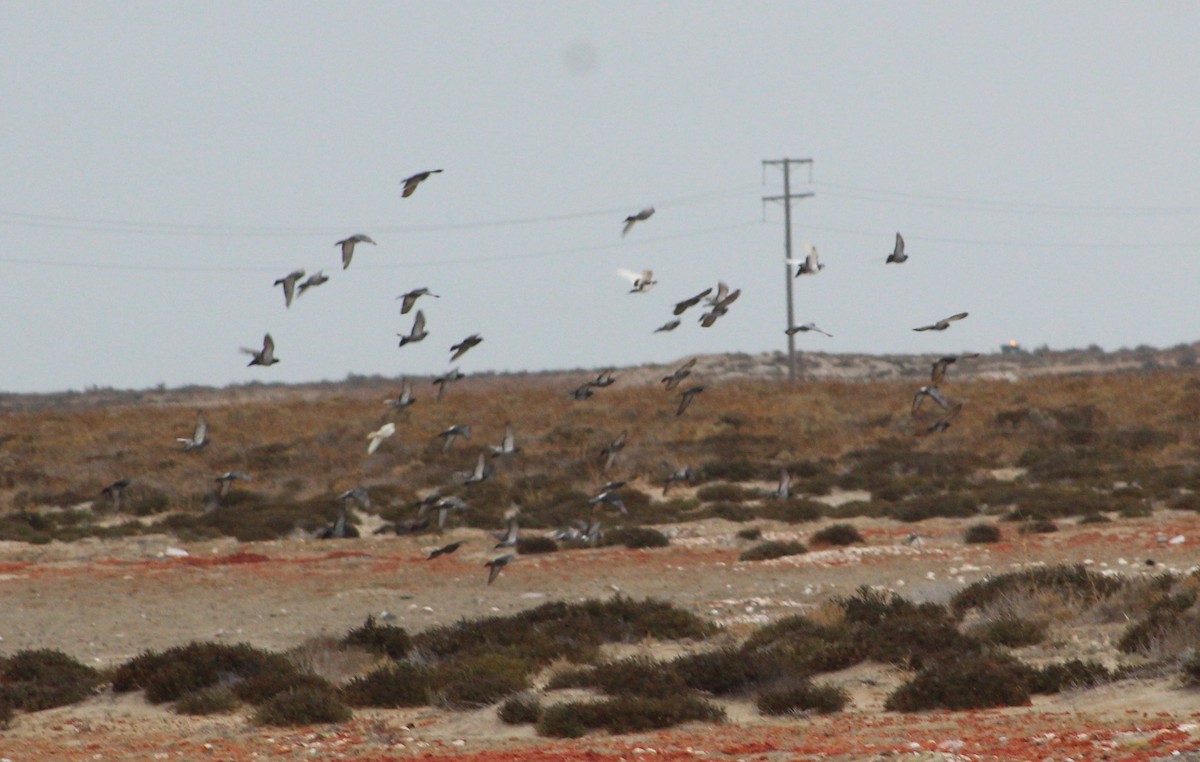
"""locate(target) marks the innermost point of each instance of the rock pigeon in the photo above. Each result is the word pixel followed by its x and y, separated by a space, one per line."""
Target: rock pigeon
pixel 670 325
pixel 450 376
pixel 933 393
pixel 417 333
pixel 411 183
pixel 114 492
pixel 405 399
pixel 225 481
pixel 686 304
pixel 445 550
pixel 454 432
pixel 642 282
pixel 411 298
pixel 943 324
pixel 199 437
pixel 496 565
pixel 685 398
pixel 633 219
pixel 609 453
pixel 289 285
pixel 680 373
pixel 507 446
pixel 348 245
pixel 938 371
pixel 805 329
pixel 461 347
pixel 265 356
pixel 898 256
pixel 313 280
pixel 811 264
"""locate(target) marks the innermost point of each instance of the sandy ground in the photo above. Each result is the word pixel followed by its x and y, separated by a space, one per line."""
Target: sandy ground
pixel 105 601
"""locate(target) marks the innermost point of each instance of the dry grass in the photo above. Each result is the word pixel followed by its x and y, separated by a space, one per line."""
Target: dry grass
pixel 302 445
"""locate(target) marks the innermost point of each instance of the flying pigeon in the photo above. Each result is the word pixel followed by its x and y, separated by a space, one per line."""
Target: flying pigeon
pixel 632 219
pixel 114 491
pixel 609 498
pixel 461 347
pixel 583 391
pixel 377 437
pixel 405 399
pixel 199 438
pixel 338 530
pixel 805 329
pixel 357 495
pixel 289 285
pixel 411 298
pixel 685 398
pixel 680 373
pixel 225 481
pixel 264 356
pixel 642 282
pixel 315 279
pixel 507 446
pixel 605 378
pixel 454 432
pixel 609 453
pixel 445 550
pixel 418 331
pixel 784 490
pixel 938 372
pixel 411 183
pixel 670 325
pixel 496 565
pixel 720 306
pixel 943 423
pixel 443 506
pixel 441 382
pixel 682 474
pixel 686 304
pixel 509 537
pixel 811 265
pixel 898 256
pixel 933 393
pixel 482 471
pixel 348 245
pixel 943 324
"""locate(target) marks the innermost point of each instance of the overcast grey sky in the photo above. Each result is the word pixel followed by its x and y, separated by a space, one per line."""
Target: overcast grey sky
pixel 164 163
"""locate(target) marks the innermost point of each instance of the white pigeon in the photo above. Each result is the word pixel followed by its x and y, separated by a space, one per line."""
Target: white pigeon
pixel 376 437
pixel 642 282
pixel 811 264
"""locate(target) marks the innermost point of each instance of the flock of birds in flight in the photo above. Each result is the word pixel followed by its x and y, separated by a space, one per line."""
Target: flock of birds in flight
pixel 436 508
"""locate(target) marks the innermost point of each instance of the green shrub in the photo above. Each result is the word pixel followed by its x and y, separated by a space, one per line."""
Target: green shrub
pixel 207 701
pixel 752 533
pixel 1054 678
pixel 799 646
pixel 982 533
pixel 304 706
pixel 1075 581
pixel 384 639
pixel 724 493
pixel 1168 617
pixel 636 675
pixel 34 680
pixel 773 549
pixel 177 671
pixel 793 510
pixel 393 686
pixel 803 696
pixel 636 537
pixel 893 630
pixel 624 714
pixel 477 681
pixel 949 505
pixel 969 682
pixel 837 534
pixel 520 709
pixel 726 670
pixel 733 512
pixel 1011 632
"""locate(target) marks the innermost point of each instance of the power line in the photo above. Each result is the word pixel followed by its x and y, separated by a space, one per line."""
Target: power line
pixel 1108 245
pixel 397 266
pixel 984 205
pixel 132 227
pixel 787 198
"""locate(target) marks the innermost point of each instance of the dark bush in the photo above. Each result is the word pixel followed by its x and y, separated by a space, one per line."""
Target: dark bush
pixel 520 709
pixel 389 687
pixel 968 682
pixel 803 696
pixel 636 537
pixel 733 512
pixel 528 546
pixel 1011 632
pixel 478 681
pixel 1054 678
pixel 1074 580
pixel 982 533
pixel 724 493
pixel 730 470
pixel 893 630
pixel 384 639
pixel 837 534
pixel 1168 615
pixel 304 706
pixel 949 505
pixel 266 684
pixel 773 549
pixel 801 647
pixel 43 679
pixel 177 671
pixel 639 676
pixel 207 701
pixel 793 510
pixel 726 670
pixel 624 714
pixel 1191 671
pixel 1038 526
pixel 753 533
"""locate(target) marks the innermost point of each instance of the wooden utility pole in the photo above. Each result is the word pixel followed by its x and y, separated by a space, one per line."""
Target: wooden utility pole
pixel 787 198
